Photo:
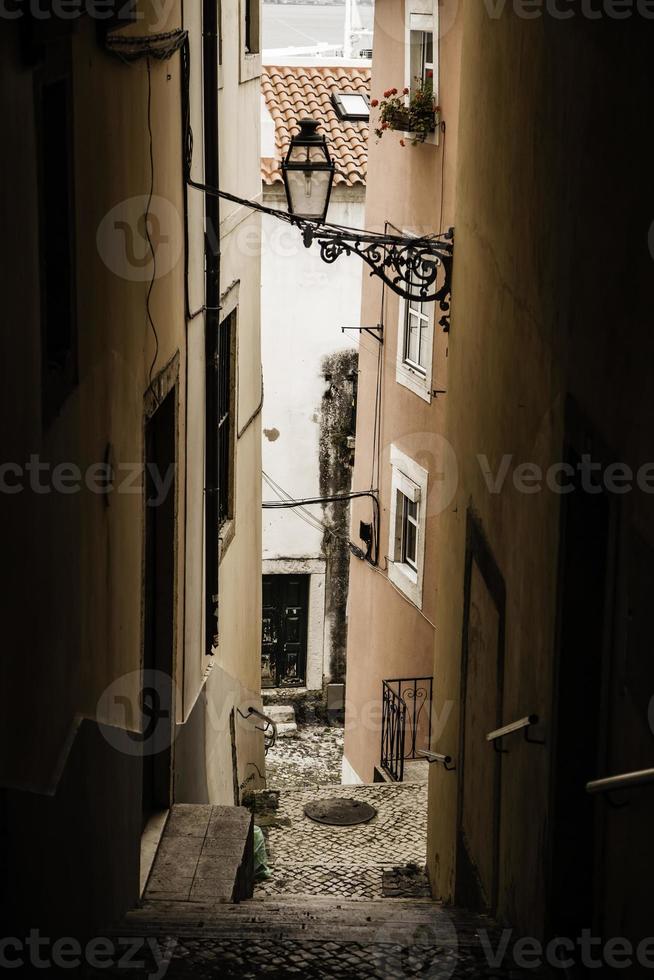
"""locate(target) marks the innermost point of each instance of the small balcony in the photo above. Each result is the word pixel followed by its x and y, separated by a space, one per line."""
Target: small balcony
pixel 406 725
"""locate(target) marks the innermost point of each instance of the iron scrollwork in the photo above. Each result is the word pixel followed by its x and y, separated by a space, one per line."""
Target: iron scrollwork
pixel 418 269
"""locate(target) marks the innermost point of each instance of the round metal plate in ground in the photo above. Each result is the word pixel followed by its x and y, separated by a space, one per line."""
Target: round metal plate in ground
pixel 340 813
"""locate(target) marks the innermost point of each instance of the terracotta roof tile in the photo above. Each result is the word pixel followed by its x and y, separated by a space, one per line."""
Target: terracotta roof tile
pixel 293 92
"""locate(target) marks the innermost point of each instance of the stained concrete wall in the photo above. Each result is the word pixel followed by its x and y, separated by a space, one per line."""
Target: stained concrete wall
pixel 77 565
pixel 389 636
pixel 552 298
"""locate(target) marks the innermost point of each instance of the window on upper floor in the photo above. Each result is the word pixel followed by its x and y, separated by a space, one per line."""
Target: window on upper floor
pixel 408 511
pixel 226 412
pixel 422 43
pixel 407 525
pixel 252 29
pixel 250 39
pixel 415 344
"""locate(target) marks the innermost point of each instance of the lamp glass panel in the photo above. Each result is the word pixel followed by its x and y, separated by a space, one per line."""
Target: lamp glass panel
pixel 308 190
pixel 311 155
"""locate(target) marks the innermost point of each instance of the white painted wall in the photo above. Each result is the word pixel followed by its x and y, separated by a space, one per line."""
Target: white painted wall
pixel 304 304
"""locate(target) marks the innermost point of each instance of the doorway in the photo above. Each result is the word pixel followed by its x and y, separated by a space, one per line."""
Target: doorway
pixel 158 653
pixel 580 694
pixel 284 630
pixel 482 667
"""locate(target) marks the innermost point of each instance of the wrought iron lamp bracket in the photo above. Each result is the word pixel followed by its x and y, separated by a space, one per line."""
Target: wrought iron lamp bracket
pixel 417 269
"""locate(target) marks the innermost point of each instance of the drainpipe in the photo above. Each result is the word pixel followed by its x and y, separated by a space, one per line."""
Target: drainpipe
pixel 210 29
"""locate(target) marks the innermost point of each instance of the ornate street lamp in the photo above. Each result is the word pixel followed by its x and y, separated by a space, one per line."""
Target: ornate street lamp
pixel 308 172
pixel 416 268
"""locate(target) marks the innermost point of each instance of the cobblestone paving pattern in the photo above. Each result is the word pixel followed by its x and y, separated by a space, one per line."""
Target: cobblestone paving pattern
pixel 322 915
pixel 313 755
pixel 231 958
pixel 309 858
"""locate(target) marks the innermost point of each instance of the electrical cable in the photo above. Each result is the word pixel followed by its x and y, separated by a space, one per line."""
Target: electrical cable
pixel 298 508
pixel 334 498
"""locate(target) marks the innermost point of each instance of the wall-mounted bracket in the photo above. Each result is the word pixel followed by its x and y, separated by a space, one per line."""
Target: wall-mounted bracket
pixel 626 780
pixel 445 761
pixel 521 725
pixel 376 332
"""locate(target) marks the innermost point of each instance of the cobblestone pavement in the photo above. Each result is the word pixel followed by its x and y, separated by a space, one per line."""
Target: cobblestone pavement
pixel 308 858
pixel 313 755
pixel 326 913
pixel 315 938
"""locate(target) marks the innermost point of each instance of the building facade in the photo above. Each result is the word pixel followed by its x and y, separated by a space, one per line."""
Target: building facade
pixel 526 518
pixel 402 393
pixel 310 375
pixel 542 567
pixel 132 440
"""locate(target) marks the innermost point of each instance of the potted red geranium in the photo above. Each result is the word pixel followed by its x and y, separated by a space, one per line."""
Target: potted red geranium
pixel 414 113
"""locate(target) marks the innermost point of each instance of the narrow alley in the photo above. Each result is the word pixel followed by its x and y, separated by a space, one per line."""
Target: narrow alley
pixel 327 489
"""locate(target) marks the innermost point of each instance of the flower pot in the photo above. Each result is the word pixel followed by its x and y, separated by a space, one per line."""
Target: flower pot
pixel 405 122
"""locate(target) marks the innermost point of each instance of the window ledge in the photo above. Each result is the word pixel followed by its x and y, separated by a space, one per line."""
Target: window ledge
pixel 250 66
pixel 225 537
pixel 406 580
pixel 414 380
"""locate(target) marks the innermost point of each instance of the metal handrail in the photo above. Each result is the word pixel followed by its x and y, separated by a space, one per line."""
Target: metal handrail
pixel 393 732
pixel 404 699
pixel 522 724
pixel 269 740
pixel 626 780
pixel 443 760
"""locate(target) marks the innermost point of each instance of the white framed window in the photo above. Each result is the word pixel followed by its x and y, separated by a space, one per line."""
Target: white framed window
pixel 421 35
pixel 409 485
pixel 250 11
pixel 415 345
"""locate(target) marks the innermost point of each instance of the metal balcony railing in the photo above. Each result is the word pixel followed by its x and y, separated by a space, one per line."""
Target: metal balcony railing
pixel 406 722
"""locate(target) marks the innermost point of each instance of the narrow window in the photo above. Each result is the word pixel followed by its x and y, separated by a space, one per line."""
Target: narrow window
pixel 422 31
pixel 220 32
pixel 416 335
pixel 225 417
pixel 422 60
pixel 252 27
pixel 57 245
pixel 409 532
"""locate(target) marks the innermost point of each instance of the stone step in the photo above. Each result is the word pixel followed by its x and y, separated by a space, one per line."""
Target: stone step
pixel 286 728
pixel 303 917
pixel 206 853
pixel 281 713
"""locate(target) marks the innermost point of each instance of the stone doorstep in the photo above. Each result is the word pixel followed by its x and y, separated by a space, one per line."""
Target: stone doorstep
pixel 206 854
pixel 286 728
pixel 281 713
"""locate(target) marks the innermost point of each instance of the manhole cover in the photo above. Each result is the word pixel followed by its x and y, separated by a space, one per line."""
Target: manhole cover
pixel 342 813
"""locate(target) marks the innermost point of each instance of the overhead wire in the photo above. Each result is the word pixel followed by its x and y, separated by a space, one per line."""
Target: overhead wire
pixel 298 507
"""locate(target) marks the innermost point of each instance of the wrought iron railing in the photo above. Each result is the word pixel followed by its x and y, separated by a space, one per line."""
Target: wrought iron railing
pixel 406 722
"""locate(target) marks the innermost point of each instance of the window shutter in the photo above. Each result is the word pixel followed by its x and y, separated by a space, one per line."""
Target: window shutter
pixel 421 15
pixel 407 487
pixel 422 22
